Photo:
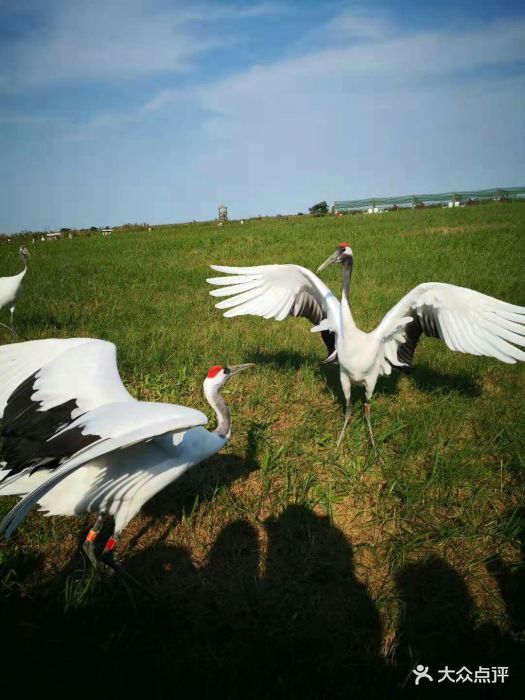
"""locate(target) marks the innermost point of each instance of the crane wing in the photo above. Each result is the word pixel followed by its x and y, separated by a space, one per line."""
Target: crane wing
pixel 40 425
pixel 113 426
pixel 277 291
pixel 18 361
pixel 465 320
pixel 9 288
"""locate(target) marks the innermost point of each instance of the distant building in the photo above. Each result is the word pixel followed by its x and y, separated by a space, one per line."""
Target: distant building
pixel 53 235
pixel 107 231
pixel 223 212
pixel 446 199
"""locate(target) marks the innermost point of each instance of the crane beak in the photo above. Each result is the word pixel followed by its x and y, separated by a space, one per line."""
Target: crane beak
pixel 334 258
pixel 234 369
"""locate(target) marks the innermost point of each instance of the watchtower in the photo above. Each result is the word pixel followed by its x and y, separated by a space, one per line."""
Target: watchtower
pixel 223 212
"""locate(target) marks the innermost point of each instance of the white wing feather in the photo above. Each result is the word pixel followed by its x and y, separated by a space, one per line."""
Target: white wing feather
pixel 120 426
pixel 467 321
pixel 19 361
pixel 276 291
pixel 87 372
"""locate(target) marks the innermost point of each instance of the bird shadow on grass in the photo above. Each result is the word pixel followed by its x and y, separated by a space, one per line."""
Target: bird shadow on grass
pixel 422 376
pixel 282 359
pixel 429 380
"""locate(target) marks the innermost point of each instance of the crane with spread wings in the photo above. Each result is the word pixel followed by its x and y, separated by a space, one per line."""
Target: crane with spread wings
pixel 75 441
pixel 465 320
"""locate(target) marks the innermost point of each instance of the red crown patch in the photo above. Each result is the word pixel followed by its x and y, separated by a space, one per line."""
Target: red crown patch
pixel 214 371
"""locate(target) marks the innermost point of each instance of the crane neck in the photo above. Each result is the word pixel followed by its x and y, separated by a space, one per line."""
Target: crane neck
pixel 346 314
pixel 24 263
pixel 222 412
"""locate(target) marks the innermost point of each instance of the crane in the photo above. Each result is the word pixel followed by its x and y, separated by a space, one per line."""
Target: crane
pixel 465 320
pixel 10 288
pixel 76 442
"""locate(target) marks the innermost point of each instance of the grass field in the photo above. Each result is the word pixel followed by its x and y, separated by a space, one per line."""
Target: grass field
pixel 282 568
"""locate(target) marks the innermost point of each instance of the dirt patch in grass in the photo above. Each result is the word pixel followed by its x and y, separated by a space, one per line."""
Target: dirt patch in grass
pixel 454 230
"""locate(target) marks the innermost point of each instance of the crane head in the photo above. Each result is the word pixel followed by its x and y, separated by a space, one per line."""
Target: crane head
pixel 24 252
pixel 342 253
pixel 218 375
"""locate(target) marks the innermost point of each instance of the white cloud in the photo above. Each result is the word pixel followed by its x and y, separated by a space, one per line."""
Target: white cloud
pixel 354 25
pixel 389 115
pixel 379 112
pixel 102 41
pixel 404 59
pixel 165 98
pixel 346 28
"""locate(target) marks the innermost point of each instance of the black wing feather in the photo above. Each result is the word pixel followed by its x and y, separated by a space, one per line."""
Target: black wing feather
pixel 424 321
pixel 29 434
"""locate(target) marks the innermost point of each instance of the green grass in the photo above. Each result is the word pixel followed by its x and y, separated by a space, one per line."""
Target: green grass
pixel 281 568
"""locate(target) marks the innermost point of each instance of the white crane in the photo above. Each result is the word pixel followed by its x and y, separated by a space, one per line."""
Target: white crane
pixel 10 288
pixel 466 320
pixel 76 442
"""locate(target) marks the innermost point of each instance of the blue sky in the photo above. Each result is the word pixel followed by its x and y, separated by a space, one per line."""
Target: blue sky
pixel 116 111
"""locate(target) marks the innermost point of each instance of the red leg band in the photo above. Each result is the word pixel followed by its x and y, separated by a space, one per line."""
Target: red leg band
pixel 91 536
pixel 110 544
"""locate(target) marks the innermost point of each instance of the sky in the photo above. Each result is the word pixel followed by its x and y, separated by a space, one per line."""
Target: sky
pixel 117 111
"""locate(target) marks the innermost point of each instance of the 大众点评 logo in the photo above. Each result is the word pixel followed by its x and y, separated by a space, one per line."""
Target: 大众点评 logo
pixel 483 674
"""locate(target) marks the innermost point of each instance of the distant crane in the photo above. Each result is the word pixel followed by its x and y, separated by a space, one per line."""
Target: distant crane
pixel 10 288
pixel 76 442
pixel 466 320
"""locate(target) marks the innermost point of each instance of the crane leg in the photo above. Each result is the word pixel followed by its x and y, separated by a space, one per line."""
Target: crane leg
pixel 348 416
pixel 8 328
pixel 345 383
pixel 89 543
pixel 12 327
pixel 12 310
pixel 366 411
pixel 108 554
pixel 108 558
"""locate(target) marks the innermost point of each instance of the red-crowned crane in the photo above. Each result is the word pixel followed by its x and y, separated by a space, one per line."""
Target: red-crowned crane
pixel 10 288
pixel 466 320
pixel 76 442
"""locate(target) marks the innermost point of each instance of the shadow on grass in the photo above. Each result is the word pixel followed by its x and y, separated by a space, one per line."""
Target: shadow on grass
pixel 510 577
pixel 423 377
pixel 199 484
pixel 428 380
pixel 437 629
pixel 304 626
pixel 282 359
